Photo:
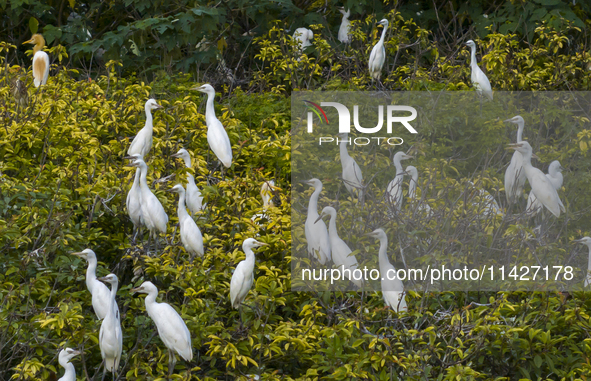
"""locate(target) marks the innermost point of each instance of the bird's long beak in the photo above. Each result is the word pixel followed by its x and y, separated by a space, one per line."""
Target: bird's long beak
pixel 76 353
pixel 199 88
pixel 78 253
pixel 158 106
pixel 410 157
pixel 319 218
pixel 134 290
pixel 305 182
pixel 372 234
pixel 578 240
pixel 261 243
pixel 534 156
pixel 508 120
pixel 175 155
pixel 102 279
pixel 513 146
pixel 29 42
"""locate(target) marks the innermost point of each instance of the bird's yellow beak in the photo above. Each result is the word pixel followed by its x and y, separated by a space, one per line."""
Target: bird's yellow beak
pixel 513 146
pixel 199 88
pixel 78 253
pixel 29 42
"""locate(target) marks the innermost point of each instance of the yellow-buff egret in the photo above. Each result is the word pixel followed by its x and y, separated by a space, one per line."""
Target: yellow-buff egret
pixel 217 137
pixel 412 188
pixel 171 328
pixel 352 177
pixel 541 186
pixel 479 79
pixel 190 233
pixel 316 233
pixel 515 175
pixel 394 189
pixel 194 200
pixel 303 36
pixel 587 242
pixel 101 296
pixel 110 334
pixel 40 60
pixel 267 195
pixel 243 276
pixel 134 197
pixel 65 356
pixel 555 176
pixel 344 35
pixel 378 54
pixel 340 251
pixel 153 214
pixel 142 143
pixel 392 287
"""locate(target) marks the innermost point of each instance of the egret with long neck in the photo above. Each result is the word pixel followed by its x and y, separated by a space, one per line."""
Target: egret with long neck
pixel 479 79
pixel 65 356
pixel 316 233
pixel 190 234
pixel 394 189
pixel 194 200
pixel 555 176
pixel 378 54
pixel 134 199
pixel 515 175
pixel 110 334
pixel 40 60
pixel 352 177
pixel 344 35
pixel 142 143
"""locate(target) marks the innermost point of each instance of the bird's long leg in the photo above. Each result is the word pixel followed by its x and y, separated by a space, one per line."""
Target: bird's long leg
pixel 171 363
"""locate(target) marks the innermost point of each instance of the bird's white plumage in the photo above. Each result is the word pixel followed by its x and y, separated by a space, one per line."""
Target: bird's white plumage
pixel 142 143
pixel 555 176
pixel 217 137
pixel 190 234
pixel 303 36
pixel 171 327
pixel 193 197
pixel 243 276
pixel 479 79
pixel 340 251
pixel 377 56
pixel 587 242
pixel 352 176
pixel 110 334
pixel 101 296
pixel 485 203
pixel 64 358
pixel 344 35
pixel 392 289
pixel 316 233
pixel 153 213
pixel 394 189
pixel 134 198
pixel 412 188
pixel 40 68
pixel 541 186
pixel 515 175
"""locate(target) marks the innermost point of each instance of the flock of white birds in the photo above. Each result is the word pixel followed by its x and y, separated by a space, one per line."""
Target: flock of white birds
pixel 325 245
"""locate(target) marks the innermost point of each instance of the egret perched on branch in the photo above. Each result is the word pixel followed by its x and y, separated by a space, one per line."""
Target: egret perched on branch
pixel 190 233
pixel 587 242
pixel 64 359
pixel 243 276
pixel 171 328
pixel 341 253
pixel 194 199
pixel 541 186
pixel 352 176
pixel 101 296
pixel 153 214
pixel 268 200
pixel 479 79
pixel 412 188
pixel 40 60
pixel 555 176
pixel 217 137
pixel 378 54
pixel 316 233
pixel 487 204
pixel 394 189
pixel 515 175
pixel 392 289
pixel 110 334
pixel 303 36
pixel 134 198
pixel 344 35
pixel 142 143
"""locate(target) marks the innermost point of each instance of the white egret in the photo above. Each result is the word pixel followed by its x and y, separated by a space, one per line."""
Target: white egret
pixel 142 143
pixel 541 186
pixel 217 137
pixel 378 54
pixel 392 289
pixel 101 296
pixel 171 328
pixel 340 252
pixel 344 35
pixel 134 197
pixel 194 200
pixel 555 176
pixel 153 214
pixel 267 196
pixel 40 60
pixel 243 276
pixel 352 177
pixel 515 175
pixel 110 334
pixel 64 359
pixel 487 205
pixel 394 189
pixel 316 233
pixel 190 233
pixel 412 188
pixel 479 79
pixel 303 36
pixel 587 242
